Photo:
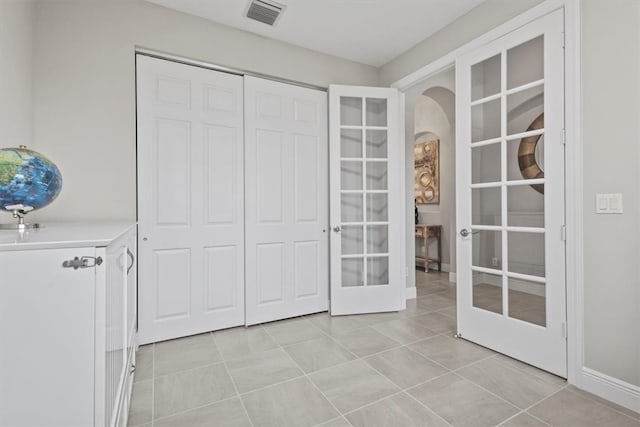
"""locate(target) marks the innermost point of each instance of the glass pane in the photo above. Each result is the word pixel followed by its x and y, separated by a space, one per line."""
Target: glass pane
pixel 351 175
pixel 376 175
pixel 351 207
pixel 525 63
pixel 350 111
pixel 525 158
pixel 377 144
pixel 525 206
pixel 527 301
pixel 523 108
pixel 352 240
pixel 377 271
pixel 487 292
pixel 485 78
pixel 377 207
pixel 526 253
pixel 350 143
pixel 486 206
pixel 377 239
pixel 485 121
pixel 352 272
pixel 485 163
pixel 487 249
pixel 376 112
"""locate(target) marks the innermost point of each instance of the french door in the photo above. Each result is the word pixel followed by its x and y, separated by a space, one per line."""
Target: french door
pixel 366 164
pixel 190 204
pixel 510 195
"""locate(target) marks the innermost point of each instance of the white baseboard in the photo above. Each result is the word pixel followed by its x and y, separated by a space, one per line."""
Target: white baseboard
pixel 514 284
pixel 452 277
pixel 411 293
pixel 613 389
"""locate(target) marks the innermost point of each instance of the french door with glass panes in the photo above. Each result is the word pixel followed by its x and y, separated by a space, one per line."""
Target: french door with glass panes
pixel 510 195
pixel 365 169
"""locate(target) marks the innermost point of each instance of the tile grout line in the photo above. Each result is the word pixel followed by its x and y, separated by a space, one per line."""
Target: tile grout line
pixel 603 404
pixel 310 380
pixel 235 386
pixel 526 410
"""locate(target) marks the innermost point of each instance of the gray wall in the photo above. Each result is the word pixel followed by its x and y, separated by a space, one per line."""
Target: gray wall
pixel 16 67
pixel 475 23
pixel 84 86
pixel 611 138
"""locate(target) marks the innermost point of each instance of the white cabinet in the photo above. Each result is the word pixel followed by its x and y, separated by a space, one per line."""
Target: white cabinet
pixel 67 335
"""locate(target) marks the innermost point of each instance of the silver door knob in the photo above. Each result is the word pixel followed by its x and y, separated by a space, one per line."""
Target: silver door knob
pixel 337 229
pixel 464 232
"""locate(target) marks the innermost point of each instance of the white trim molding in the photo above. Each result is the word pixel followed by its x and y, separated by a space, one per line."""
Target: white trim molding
pixel 411 292
pixel 613 389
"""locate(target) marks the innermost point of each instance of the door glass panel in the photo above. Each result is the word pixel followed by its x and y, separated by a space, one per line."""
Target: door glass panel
pixel 351 175
pixel 377 271
pixel 486 206
pixel 525 63
pixel 352 240
pixel 525 206
pixel 377 207
pixel 526 253
pixel 352 272
pixel 376 112
pixel 350 143
pixel 487 249
pixel 376 175
pixel 485 121
pixel 523 108
pixel 486 78
pixel 350 111
pixel 351 207
pixel 377 239
pixel 527 301
pixel 525 158
pixel 376 144
pixel 487 291
pixel 485 163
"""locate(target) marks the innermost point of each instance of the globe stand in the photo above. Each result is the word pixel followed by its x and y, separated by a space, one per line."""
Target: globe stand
pixel 21 225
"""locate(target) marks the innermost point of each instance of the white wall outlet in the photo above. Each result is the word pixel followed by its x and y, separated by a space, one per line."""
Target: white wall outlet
pixel 609 203
pixel 494 261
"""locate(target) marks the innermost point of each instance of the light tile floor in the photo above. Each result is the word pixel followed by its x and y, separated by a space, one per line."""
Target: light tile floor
pixel 392 369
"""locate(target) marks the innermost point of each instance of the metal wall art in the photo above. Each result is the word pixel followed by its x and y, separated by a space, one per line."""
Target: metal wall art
pixel 426 173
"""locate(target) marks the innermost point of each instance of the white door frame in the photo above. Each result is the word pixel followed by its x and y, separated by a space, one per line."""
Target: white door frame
pixel 573 166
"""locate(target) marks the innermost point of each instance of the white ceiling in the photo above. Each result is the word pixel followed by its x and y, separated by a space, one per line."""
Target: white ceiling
pixel 369 31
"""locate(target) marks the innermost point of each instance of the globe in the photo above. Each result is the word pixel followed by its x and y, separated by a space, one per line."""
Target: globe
pixel 27 178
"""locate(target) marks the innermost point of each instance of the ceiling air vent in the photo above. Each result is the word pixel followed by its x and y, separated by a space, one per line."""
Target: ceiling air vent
pixel 265 12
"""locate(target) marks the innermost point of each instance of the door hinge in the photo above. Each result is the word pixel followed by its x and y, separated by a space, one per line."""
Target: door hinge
pixel 564 136
pixel 564 330
pixel 563 233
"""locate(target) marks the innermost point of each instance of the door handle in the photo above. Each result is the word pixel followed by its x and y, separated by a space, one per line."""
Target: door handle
pixel 464 232
pixel 337 229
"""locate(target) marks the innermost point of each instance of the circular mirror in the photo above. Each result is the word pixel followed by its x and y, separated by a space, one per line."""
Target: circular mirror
pixel 531 154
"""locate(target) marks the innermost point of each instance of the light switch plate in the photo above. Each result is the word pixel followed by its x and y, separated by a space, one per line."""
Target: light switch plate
pixel 609 203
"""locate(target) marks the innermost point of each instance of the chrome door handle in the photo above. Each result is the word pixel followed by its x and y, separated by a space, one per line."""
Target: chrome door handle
pixel 464 232
pixel 337 229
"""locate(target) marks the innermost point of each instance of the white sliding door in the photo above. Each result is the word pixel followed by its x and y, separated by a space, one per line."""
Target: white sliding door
pixel 510 195
pixel 190 204
pixel 366 163
pixel 286 190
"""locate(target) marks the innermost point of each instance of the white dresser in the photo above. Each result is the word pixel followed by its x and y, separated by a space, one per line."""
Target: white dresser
pixel 67 335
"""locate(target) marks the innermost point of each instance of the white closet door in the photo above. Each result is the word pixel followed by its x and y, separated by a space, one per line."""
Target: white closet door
pixel 286 155
pixel 190 205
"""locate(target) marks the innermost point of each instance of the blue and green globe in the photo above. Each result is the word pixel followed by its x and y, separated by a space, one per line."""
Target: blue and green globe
pixel 27 178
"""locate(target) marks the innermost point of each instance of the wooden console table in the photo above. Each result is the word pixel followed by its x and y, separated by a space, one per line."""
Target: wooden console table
pixel 425 231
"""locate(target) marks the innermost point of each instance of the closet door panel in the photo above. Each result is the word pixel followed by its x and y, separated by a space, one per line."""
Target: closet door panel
pixel 286 198
pixel 190 204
